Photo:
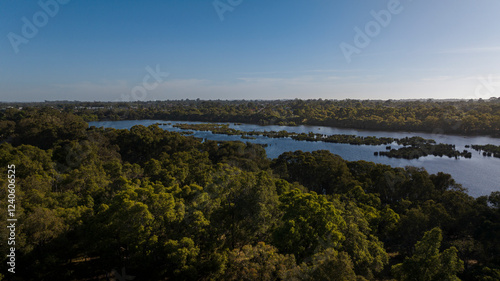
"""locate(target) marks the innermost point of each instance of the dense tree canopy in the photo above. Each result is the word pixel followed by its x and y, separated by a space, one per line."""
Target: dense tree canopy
pixel 93 201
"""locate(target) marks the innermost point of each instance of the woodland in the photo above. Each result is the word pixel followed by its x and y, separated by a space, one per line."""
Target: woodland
pixel 164 206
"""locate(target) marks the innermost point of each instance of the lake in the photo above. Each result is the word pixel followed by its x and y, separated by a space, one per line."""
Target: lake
pixel 480 175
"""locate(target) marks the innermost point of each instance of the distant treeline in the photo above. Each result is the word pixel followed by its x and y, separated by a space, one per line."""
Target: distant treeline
pixel 466 117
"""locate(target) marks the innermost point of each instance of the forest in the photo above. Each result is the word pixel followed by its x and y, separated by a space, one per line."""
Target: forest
pixel 92 202
pixel 458 117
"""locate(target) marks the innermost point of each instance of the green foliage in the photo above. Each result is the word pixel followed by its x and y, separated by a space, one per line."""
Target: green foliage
pixel 170 207
pixel 248 206
pixel 428 263
pixel 310 224
pixel 327 265
pixel 320 171
pixel 44 127
pixel 260 262
pixel 488 274
pixel 381 218
pixel 367 252
pixel 181 258
pixel 454 117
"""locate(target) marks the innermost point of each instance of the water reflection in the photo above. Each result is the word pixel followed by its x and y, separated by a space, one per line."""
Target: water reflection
pixel 481 175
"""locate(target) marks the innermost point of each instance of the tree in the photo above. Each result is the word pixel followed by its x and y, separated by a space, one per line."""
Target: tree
pixel 180 259
pixel 428 264
pixel 366 251
pixel 327 265
pixel 259 262
pixel 320 171
pixel 310 224
pixel 248 206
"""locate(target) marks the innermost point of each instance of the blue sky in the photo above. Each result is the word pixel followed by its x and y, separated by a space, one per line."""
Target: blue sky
pixel 248 49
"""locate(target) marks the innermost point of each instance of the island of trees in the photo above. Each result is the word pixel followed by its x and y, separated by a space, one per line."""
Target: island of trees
pixel 162 206
pixel 413 148
pixel 488 150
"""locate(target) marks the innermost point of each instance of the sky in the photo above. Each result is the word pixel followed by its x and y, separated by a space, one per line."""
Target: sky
pixel 125 50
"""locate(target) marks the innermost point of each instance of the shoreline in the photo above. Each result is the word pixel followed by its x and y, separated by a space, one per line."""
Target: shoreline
pixel 310 125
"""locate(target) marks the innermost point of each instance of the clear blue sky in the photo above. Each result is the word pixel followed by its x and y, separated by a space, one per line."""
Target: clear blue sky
pixel 284 49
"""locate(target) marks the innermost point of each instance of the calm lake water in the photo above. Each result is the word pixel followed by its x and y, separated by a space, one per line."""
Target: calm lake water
pixel 480 175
